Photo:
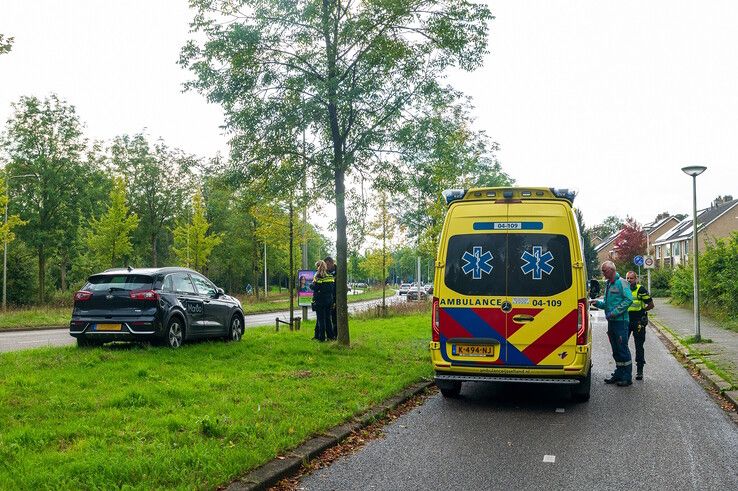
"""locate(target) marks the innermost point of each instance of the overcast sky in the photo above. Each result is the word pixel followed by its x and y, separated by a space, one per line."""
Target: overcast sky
pixel 608 98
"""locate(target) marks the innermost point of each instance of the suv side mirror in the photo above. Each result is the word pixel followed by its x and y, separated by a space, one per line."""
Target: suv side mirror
pixel 219 292
pixel 594 288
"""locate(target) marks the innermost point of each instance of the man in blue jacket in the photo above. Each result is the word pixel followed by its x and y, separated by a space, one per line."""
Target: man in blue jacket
pixel 617 300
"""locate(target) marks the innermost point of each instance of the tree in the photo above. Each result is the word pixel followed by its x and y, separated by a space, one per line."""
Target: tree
pixel 383 230
pixel 609 226
pixel 6 228
pixel 44 141
pixel 192 244
pixel 590 255
pixel 631 242
pixel 349 72
pixel 109 237
pixel 159 181
pixel 6 43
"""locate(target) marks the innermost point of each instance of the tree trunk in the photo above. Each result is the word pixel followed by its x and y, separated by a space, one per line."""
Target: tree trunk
pixel 154 257
pixel 290 282
pixel 63 271
pixel 41 274
pixel 341 260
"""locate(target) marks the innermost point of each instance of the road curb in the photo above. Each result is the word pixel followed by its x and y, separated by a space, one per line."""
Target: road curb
pixel 722 385
pixel 277 469
pixel 28 329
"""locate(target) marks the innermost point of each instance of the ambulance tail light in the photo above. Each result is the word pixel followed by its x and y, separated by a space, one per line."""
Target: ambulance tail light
pixel 582 322
pixel 436 321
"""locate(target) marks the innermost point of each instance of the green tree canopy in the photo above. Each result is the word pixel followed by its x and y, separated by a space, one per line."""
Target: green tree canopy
pixel 109 237
pixel 192 243
pixel 349 73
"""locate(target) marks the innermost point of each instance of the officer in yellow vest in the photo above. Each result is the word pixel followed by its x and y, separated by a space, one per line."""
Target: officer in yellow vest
pixel 637 312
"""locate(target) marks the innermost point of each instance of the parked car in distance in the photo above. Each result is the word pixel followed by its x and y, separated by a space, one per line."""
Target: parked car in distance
pixel 428 288
pixel 416 294
pixel 404 287
pixel 163 305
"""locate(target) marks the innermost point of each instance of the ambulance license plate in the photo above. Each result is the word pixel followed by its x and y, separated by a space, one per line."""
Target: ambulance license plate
pixel 107 327
pixel 474 350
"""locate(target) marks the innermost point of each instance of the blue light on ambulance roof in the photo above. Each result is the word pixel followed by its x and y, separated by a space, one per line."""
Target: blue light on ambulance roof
pixel 451 195
pixel 564 193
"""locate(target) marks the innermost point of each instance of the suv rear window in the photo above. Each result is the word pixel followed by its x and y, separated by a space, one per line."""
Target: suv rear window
pixel 513 269
pixel 119 281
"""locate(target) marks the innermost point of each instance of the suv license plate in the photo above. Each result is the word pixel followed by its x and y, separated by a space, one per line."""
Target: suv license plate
pixel 107 327
pixel 474 350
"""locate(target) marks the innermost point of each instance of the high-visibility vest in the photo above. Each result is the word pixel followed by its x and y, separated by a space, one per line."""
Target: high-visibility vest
pixel 639 299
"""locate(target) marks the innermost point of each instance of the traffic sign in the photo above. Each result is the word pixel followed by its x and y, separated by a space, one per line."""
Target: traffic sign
pixel 649 262
pixel 638 260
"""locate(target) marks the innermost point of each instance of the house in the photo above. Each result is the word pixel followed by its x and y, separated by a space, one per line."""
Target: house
pixel 604 249
pixel 657 228
pixel 674 246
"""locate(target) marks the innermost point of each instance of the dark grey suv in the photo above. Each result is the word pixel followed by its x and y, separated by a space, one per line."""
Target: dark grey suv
pixel 166 305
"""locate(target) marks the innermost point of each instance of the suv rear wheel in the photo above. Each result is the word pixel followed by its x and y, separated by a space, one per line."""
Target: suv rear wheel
pixel 174 333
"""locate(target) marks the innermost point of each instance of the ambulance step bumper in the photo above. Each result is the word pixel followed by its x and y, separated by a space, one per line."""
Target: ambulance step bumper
pixel 521 380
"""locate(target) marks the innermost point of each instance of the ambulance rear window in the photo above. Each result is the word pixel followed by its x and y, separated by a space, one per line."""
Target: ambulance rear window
pixel 515 264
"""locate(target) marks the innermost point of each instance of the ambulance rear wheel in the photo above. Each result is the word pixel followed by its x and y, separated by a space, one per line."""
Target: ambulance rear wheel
pixel 449 389
pixel 581 391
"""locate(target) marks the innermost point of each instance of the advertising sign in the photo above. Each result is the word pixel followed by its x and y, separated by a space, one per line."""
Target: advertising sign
pixel 304 293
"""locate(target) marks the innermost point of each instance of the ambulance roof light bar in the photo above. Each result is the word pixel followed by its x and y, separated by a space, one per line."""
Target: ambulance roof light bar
pixel 565 194
pixel 451 195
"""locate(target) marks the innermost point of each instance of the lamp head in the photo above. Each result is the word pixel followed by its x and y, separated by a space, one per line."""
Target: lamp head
pixel 694 170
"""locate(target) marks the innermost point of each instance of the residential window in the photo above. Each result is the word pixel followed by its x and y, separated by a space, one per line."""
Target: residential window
pixel 687 247
pixel 658 252
pixel 667 250
pixel 677 249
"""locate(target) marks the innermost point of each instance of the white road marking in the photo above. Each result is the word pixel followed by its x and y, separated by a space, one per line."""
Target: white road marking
pixel 560 410
pixel 549 459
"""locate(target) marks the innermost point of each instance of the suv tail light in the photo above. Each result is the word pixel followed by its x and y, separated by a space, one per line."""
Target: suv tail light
pixel 144 295
pixel 436 321
pixel 582 322
pixel 82 296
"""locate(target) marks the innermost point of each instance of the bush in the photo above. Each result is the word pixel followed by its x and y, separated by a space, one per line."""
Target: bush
pixel 718 273
pixel 660 282
pixel 682 286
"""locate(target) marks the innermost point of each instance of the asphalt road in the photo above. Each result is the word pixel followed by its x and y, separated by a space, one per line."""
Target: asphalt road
pixel 662 433
pixel 14 341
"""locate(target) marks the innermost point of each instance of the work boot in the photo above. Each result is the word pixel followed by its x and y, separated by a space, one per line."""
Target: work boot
pixel 611 380
pixel 639 373
pixel 624 383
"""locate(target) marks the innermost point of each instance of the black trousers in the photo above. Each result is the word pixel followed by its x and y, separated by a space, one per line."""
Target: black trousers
pixel 639 336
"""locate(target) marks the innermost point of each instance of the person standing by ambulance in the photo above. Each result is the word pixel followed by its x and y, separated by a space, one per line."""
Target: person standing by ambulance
pixel 642 303
pixel 615 304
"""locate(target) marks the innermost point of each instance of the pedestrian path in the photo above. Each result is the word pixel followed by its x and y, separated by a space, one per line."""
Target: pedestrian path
pixel 722 351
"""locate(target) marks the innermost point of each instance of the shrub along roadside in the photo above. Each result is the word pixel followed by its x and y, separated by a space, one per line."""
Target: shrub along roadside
pixel 195 417
pixel 59 316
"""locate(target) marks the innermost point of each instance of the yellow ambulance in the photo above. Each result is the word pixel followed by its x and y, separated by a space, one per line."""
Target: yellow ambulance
pixel 510 291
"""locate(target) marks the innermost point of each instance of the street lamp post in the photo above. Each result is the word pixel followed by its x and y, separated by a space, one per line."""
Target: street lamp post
pixel 694 171
pixel 5 249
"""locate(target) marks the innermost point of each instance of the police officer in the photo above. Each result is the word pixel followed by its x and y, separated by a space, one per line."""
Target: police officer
pixel 637 312
pixel 331 267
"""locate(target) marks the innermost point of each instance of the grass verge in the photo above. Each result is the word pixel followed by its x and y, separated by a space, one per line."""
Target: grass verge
pixel 37 317
pixel 59 316
pixel 689 342
pixel 197 417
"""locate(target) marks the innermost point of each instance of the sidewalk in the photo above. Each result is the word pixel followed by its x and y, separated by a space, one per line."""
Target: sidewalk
pixel 722 352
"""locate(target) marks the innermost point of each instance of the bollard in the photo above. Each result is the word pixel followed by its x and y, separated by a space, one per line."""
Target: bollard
pixel 297 323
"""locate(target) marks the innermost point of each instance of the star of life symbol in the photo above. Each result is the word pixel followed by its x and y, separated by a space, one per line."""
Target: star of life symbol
pixel 477 262
pixel 537 263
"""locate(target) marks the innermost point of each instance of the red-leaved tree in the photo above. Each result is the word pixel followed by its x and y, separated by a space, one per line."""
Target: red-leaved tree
pixel 631 242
